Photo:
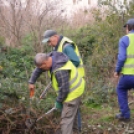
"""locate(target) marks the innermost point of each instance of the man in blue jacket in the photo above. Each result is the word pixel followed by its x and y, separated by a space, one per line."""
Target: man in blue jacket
pixel 125 69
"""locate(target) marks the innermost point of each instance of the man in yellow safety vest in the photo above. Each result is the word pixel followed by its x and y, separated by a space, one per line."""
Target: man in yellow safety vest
pixel 67 83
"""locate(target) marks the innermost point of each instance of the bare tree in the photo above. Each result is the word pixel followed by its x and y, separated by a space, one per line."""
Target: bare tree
pixel 19 18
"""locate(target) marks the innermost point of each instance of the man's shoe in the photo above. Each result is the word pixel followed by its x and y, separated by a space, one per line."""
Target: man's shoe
pixel 121 118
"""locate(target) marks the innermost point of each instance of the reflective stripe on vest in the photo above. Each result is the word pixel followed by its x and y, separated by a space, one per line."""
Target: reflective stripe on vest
pixel 73 88
pixel 128 67
pixel 72 81
pixel 76 82
pixel 130 56
pixel 60 49
pixel 76 86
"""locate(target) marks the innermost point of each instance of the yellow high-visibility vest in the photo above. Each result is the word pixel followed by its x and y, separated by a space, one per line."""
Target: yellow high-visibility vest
pixel 76 82
pixel 60 49
pixel 128 67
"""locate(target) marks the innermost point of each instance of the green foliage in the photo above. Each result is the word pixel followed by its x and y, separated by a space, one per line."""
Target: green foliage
pixel 85 39
pixel 100 93
pixel 27 40
pixel 2 41
pixel 16 63
pixel 106 118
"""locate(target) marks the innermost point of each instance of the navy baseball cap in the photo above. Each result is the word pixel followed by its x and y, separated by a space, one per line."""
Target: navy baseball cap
pixel 129 22
pixel 47 35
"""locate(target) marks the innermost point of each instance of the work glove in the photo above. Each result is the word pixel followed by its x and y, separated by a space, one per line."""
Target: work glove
pixel 58 105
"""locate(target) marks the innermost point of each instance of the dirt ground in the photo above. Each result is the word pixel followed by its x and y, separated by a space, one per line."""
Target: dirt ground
pixel 101 120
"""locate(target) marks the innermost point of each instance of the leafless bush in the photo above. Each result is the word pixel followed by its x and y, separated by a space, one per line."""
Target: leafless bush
pixel 19 18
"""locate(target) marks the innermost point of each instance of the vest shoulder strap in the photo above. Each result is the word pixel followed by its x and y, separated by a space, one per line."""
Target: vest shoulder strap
pixel 67 44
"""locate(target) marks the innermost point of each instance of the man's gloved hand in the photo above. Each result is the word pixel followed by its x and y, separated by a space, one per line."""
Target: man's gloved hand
pixel 58 105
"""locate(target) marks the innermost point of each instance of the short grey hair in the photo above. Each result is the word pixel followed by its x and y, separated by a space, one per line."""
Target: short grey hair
pixel 40 58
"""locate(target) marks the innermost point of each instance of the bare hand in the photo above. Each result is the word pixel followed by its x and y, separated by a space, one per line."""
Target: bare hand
pixel 31 87
pixel 116 75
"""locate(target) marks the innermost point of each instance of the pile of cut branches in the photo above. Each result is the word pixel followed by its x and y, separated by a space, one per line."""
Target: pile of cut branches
pixel 13 121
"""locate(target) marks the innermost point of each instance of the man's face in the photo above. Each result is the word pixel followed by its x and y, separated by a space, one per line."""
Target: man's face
pixel 45 65
pixel 53 41
pixel 127 31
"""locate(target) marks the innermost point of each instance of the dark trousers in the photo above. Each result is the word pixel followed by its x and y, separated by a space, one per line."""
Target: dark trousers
pixel 126 83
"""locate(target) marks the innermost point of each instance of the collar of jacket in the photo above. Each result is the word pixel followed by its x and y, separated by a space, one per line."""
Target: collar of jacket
pixel 132 31
pixel 58 60
pixel 57 45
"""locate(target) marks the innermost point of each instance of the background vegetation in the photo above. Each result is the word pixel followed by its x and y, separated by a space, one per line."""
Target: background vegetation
pixel 20 40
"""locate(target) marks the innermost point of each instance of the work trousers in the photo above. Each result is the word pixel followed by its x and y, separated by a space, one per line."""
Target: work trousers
pixel 126 83
pixel 68 116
